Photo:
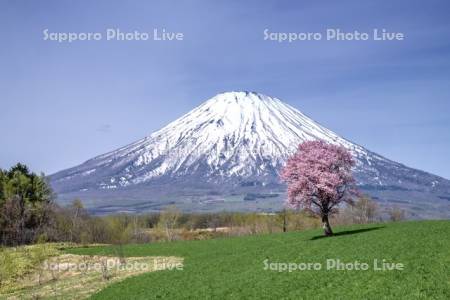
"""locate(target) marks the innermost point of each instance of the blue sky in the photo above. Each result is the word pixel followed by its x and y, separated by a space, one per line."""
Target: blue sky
pixel 63 103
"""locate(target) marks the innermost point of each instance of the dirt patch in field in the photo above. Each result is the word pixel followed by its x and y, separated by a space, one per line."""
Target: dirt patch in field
pixel 71 276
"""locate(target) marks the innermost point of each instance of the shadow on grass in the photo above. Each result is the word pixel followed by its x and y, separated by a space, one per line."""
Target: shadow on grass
pixel 347 232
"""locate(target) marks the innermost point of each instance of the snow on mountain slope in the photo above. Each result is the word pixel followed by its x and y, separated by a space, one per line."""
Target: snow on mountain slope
pixel 232 137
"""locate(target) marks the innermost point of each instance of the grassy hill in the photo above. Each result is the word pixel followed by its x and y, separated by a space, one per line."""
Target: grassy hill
pixel 233 268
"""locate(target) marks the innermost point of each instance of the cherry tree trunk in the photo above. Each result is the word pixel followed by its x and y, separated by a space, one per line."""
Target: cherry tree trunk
pixel 326 225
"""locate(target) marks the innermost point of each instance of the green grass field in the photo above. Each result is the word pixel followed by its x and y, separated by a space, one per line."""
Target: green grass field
pixel 233 268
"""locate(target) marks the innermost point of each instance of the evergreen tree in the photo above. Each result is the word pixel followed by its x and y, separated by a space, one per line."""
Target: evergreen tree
pixel 25 200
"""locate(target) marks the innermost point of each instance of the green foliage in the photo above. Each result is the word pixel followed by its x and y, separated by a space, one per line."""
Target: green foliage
pixel 120 229
pixel 25 202
pixel 2 187
pixel 233 268
pixel 32 188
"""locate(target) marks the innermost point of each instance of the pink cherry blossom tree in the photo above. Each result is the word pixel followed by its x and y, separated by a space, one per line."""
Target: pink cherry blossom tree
pixel 319 178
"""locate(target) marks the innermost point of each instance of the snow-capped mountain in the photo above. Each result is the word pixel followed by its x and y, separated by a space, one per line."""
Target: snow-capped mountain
pixel 233 144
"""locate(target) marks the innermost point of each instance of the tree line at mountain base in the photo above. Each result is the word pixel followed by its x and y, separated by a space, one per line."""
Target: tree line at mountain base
pixel 29 214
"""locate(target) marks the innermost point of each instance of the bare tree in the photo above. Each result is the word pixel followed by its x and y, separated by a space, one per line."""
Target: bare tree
pixel 364 210
pixel 168 220
pixel 77 209
pixel 396 214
